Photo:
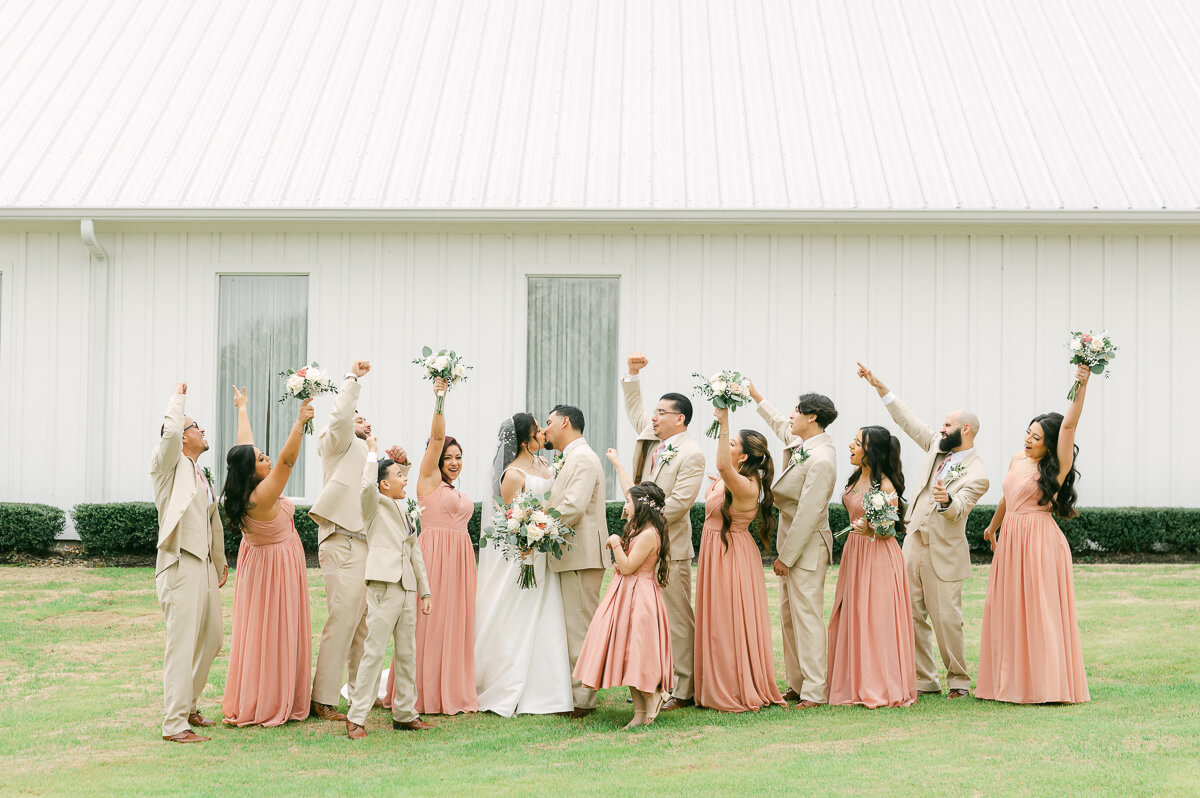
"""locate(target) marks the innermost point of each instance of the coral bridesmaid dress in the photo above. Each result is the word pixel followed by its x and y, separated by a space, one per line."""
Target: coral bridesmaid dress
pixel 735 658
pixel 446 638
pixel 1030 652
pixel 269 682
pixel 872 659
pixel 628 643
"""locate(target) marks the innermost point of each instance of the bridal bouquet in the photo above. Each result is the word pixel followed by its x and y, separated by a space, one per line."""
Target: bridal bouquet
pixel 525 527
pixel 878 512
pixel 306 383
pixel 446 364
pixel 1093 351
pixel 724 389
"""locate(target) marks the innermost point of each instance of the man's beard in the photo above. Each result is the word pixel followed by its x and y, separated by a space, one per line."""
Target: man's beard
pixel 362 434
pixel 951 441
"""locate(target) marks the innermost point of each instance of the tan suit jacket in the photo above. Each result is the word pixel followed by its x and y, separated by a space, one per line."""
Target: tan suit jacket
pixel 802 494
pixel 944 531
pixel 680 479
pixel 578 494
pixel 176 484
pixel 343 455
pixel 392 551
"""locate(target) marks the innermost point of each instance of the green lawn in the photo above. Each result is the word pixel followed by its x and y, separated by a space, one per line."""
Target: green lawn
pixel 80 696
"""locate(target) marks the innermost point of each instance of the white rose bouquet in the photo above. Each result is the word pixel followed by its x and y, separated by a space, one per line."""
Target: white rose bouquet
pixel 525 527
pixel 445 364
pixel 306 383
pixel 878 512
pixel 724 389
pixel 1092 350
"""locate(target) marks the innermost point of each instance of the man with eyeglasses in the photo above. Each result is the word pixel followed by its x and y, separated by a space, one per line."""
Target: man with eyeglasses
pixel 668 456
pixel 190 569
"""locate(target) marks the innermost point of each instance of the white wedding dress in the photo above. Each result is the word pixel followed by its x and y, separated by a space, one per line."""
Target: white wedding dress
pixel 521 661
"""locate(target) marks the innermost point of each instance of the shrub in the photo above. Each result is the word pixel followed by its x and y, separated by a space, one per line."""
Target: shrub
pixel 29 528
pixel 117 528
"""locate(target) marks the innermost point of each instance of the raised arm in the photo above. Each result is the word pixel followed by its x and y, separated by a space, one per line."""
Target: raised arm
pixel 913 427
pixel 244 434
pixel 369 490
pixel 623 478
pixel 170 444
pixel 780 424
pixel 271 488
pixel 743 488
pixel 632 389
pixel 430 474
pixel 340 433
pixel 1070 423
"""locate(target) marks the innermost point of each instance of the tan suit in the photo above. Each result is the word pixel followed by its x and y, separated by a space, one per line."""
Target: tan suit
pixel 342 549
pixel 395 574
pixel 937 556
pixel 681 480
pixel 805 545
pixel 191 555
pixel 578 494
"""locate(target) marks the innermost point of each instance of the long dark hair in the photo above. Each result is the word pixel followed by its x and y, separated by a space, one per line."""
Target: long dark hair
pixel 649 501
pixel 758 465
pixel 1059 498
pixel 881 453
pixel 524 427
pixel 240 482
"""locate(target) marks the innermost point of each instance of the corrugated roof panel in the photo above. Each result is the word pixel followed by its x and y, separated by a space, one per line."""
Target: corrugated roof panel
pixel 599 104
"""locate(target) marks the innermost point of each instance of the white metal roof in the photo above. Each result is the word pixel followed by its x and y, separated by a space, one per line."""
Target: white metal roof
pixel 640 105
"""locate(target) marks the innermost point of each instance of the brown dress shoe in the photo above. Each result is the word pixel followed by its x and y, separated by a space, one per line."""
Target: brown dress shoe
pixel 354 731
pixel 196 719
pixel 411 725
pixel 326 712
pixel 929 692
pixel 678 703
pixel 581 712
pixel 791 695
pixel 957 693
pixel 186 736
pixel 378 703
pixel 807 705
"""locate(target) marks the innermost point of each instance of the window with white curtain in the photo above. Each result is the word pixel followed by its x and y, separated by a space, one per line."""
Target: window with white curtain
pixel 571 355
pixel 262 330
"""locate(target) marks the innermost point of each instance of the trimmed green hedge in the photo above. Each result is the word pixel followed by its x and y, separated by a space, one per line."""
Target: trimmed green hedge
pixel 132 527
pixel 29 528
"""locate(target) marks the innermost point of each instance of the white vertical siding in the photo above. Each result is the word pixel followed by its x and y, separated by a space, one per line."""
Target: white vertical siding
pixel 947 320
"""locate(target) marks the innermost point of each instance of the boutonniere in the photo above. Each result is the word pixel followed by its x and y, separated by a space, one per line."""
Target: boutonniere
pixel 799 456
pixel 668 454
pixel 559 460
pixel 954 472
pixel 414 511
pixel 208 477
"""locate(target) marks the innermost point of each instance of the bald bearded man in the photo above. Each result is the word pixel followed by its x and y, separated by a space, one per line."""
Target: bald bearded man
pixel 936 555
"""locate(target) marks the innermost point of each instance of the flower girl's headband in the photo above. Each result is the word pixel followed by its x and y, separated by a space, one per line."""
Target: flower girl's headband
pixel 646 500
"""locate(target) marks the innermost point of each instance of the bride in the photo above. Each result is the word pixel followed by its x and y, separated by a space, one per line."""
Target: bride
pixel 521 661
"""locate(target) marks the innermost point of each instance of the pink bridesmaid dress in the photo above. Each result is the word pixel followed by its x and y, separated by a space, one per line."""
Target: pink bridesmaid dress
pixel 872 659
pixel 735 657
pixel 628 643
pixel 269 681
pixel 445 647
pixel 1030 652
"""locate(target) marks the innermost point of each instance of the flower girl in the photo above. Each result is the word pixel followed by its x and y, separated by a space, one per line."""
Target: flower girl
pixel 629 640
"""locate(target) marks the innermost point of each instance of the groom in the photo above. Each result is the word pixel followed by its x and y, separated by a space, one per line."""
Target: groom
pixel 668 456
pixel 578 494
pixel 936 554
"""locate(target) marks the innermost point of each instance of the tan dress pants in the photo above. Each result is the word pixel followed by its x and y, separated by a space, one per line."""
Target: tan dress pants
pixel 343 561
pixel 391 612
pixel 580 597
pixel 677 595
pixel 191 605
pixel 936 610
pixel 802 614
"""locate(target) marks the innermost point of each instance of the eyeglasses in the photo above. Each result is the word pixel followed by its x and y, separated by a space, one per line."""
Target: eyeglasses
pixel 195 424
pixel 658 413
